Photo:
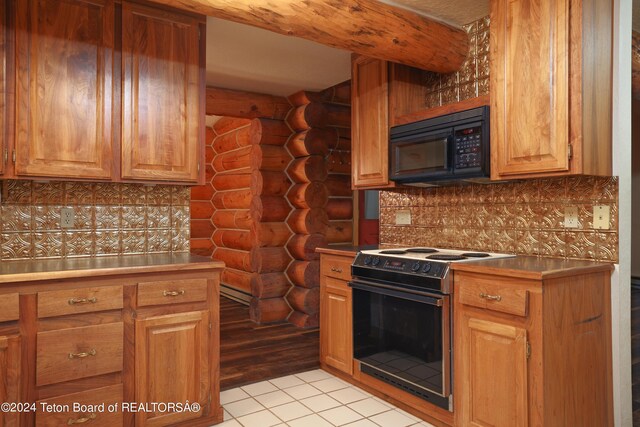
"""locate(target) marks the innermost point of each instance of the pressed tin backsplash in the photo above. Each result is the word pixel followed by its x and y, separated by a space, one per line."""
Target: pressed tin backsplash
pixel 110 219
pixel 525 217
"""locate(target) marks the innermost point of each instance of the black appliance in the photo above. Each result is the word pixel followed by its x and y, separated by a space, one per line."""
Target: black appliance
pixel 449 147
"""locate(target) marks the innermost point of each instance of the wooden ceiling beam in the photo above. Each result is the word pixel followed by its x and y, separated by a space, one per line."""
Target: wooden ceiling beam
pixel 246 105
pixel 367 27
pixel 635 65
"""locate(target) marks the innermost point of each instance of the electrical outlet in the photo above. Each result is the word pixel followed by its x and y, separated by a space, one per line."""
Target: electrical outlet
pixel 67 217
pixel 403 217
pixel 571 217
pixel 601 215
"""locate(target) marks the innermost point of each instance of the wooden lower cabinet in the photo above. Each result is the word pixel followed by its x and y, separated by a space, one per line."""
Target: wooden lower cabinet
pixel 532 351
pixel 172 365
pixel 9 375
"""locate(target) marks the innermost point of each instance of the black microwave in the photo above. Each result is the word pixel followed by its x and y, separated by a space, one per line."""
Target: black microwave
pixel 449 147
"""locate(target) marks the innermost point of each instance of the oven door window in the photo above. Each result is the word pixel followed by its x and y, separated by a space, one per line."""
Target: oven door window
pixel 421 154
pixel 402 338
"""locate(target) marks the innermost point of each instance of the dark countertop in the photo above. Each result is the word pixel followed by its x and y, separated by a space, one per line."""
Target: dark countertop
pixel 69 268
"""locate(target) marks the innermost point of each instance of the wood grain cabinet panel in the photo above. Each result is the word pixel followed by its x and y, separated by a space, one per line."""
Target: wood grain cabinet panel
pixel 10 375
pixel 172 364
pixel 172 292
pixel 9 307
pixel 3 85
pixel 161 95
pixel 80 300
pixel 65 86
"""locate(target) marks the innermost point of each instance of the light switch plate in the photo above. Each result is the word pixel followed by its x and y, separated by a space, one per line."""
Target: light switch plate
pixel 403 217
pixel 571 217
pixel 67 218
pixel 601 216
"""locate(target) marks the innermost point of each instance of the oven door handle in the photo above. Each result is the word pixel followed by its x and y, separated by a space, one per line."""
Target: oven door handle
pixel 398 292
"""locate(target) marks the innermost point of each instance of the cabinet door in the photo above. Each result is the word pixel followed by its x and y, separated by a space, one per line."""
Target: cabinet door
pixel 172 364
pixel 9 377
pixel 336 343
pixel 3 83
pixel 161 110
pixel 494 374
pixel 529 87
pixel 370 123
pixel 64 88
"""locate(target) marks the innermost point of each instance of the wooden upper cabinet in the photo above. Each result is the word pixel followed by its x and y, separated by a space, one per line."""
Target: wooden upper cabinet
pixel 161 95
pixel 65 85
pixel 370 123
pixel 550 88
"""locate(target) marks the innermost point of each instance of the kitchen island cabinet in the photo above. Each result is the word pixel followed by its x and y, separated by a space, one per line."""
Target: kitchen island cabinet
pixel 143 330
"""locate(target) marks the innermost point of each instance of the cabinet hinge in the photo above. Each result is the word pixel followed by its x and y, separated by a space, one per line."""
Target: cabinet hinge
pixel 198 167
pixel 13 156
pixel 6 155
pixel 210 326
pixel 528 350
pixel 570 152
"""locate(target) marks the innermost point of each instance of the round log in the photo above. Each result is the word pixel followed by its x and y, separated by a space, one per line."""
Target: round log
pixel 269 285
pixel 303 246
pixel 313 115
pixel 229 218
pixel 303 320
pixel 232 199
pixel 228 124
pixel 339 185
pixel 232 140
pixel 307 169
pixel 270 234
pixel 308 221
pixel 269 208
pixel 338 94
pixel 309 195
pixel 233 239
pixel 236 279
pixel 339 162
pixel 304 273
pixel 341 144
pixel 340 208
pixel 311 142
pixel 268 310
pixel 304 97
pixel 232 180
pixel 269 183
pixel 236 159
pixel 202 247
pixel 269 260
pixel 269 158
pixel 202 192
pixel 339 232
pixel 270 132
pixel 338 115
pixel 239 260
pixel 306 300
pixel 201 229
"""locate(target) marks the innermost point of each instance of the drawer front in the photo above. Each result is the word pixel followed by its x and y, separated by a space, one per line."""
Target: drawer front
pixel 82 300
pixel 9 307
pixel 496 297
pixel 336 266
pixel 73 353
pixel 89 407
pixel 172 292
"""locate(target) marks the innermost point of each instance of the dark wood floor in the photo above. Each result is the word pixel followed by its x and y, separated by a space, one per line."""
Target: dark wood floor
pixel 635 353
pixel 250 353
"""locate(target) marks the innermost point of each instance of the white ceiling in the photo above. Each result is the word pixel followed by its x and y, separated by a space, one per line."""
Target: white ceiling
pixel 242 57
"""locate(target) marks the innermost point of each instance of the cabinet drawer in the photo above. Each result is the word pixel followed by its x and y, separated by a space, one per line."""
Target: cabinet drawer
pixel 68 354
pixel 491 296
pixel 83 300
pixel 172 292
pixel 97 415
pixel 336 266
pixel 9 307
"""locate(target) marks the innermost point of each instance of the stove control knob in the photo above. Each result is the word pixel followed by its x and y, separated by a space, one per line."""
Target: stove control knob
pixel 375 261
pixel 415 267
pixel 367 260
pixel 426 268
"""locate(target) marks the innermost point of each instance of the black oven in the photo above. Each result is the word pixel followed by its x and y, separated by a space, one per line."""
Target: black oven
pixel 453 146
pixel 402 336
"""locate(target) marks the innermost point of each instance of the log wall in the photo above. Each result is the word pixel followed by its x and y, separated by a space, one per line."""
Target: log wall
pixel 202 227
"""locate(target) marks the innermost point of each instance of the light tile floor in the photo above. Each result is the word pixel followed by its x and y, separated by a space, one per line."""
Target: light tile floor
pixel 309 399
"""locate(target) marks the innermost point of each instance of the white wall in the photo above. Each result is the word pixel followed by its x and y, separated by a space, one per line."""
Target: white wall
pixel 620 285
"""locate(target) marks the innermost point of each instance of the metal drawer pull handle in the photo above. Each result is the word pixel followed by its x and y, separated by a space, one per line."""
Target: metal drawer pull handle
pixel 74 301
pixel 173 293
pixel 91 352
pixel 336 270
pixel 91 416
pixel 491 297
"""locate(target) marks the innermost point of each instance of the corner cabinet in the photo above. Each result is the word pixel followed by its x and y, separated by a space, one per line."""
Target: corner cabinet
pixel 162 87
pixel 533 351
pixel 551 93
pixel 336 331
pixel 369 123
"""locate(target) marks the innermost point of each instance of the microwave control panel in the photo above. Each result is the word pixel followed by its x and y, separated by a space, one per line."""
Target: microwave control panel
pixel 468 148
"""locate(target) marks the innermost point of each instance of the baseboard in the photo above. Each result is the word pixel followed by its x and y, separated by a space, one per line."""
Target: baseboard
pixel 234 294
